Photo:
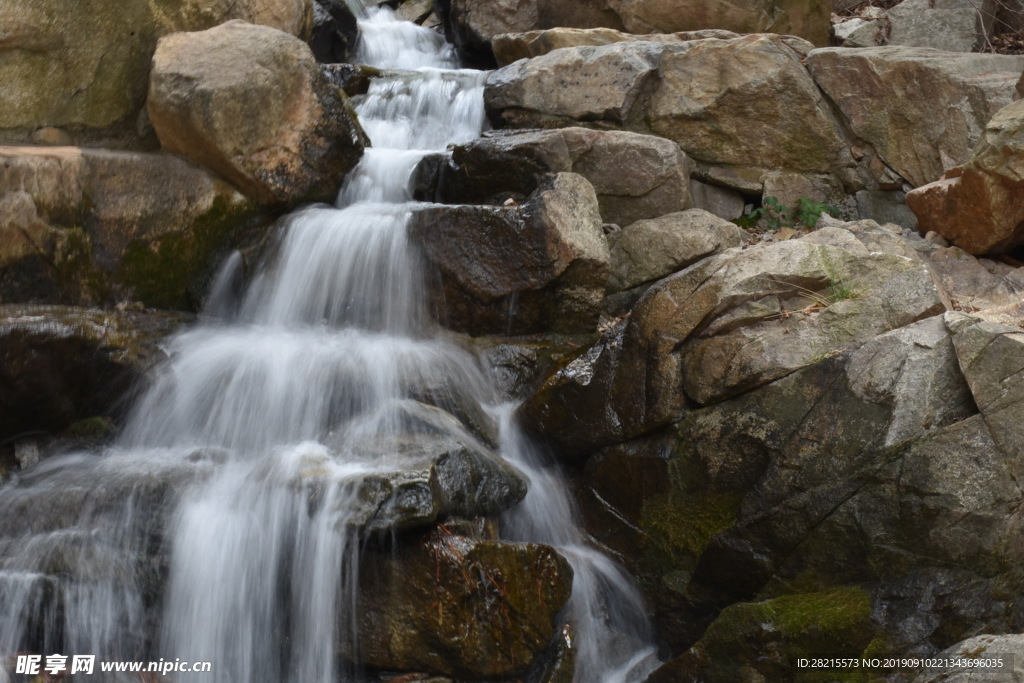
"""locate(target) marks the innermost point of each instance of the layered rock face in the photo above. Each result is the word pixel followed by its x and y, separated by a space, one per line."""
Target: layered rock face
pixel 83 225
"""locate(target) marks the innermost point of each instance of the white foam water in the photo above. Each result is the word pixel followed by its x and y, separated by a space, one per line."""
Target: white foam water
pixel 237 454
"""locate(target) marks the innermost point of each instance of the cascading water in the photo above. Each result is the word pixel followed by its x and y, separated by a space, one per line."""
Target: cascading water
pixel 245 454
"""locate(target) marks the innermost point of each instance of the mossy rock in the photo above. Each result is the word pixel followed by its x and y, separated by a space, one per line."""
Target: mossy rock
pixel 172 270
pixel 764 640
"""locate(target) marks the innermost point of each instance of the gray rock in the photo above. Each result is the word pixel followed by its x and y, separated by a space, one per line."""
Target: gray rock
pixel 651 249
pixel 950 25
pixel 970 285
pixel 859 32
pixel 1009 648
pixel 920 109
pixel 720 201
pixel 439 471
pixel 991 356
pixel 541 266
pixel 584 84
pixel 885 207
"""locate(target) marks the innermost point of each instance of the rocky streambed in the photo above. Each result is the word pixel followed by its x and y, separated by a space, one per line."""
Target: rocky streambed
pixel 704 358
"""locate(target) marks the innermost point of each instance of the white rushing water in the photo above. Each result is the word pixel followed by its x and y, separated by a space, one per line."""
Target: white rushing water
pixel 252 432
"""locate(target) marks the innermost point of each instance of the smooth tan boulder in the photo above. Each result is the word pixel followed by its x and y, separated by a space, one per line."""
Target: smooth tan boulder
pixel 252 104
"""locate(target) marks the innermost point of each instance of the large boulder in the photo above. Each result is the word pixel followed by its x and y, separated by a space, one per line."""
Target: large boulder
pixel 872 468
pixel 60 364
pixel 921 110
pixel 950 25
pixel 251 103
pixel 980 207
pixel 742 106
pixel 519 269
pixel 473 24
pixel 85 66
pixel 729 101
pixel 82 225
pixel 461 607
pixel 511 164
pixel 591 84
pixel 731 323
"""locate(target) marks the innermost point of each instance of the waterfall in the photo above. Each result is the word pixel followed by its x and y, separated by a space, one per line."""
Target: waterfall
pixel 245 453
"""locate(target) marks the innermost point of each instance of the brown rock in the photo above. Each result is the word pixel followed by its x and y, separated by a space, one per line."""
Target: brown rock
pixel 460 607
pixel 980 207
pixel 252 104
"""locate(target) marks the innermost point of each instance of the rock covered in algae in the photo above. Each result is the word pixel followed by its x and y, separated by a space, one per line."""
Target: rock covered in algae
pixel 461 607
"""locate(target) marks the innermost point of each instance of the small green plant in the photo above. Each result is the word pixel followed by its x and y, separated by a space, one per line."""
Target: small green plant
pixel 777 215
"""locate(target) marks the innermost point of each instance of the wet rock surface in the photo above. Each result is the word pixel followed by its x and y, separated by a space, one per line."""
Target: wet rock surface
pixel 63 364
pixel 460 607
pixel 519 269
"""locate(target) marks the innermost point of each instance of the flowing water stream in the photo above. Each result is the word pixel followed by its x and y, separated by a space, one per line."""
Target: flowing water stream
pixel 268 404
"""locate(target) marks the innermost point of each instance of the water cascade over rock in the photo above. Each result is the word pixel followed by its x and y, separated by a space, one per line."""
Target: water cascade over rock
pixel 313 416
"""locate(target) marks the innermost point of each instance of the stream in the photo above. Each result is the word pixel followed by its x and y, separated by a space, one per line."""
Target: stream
pixel 226 522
